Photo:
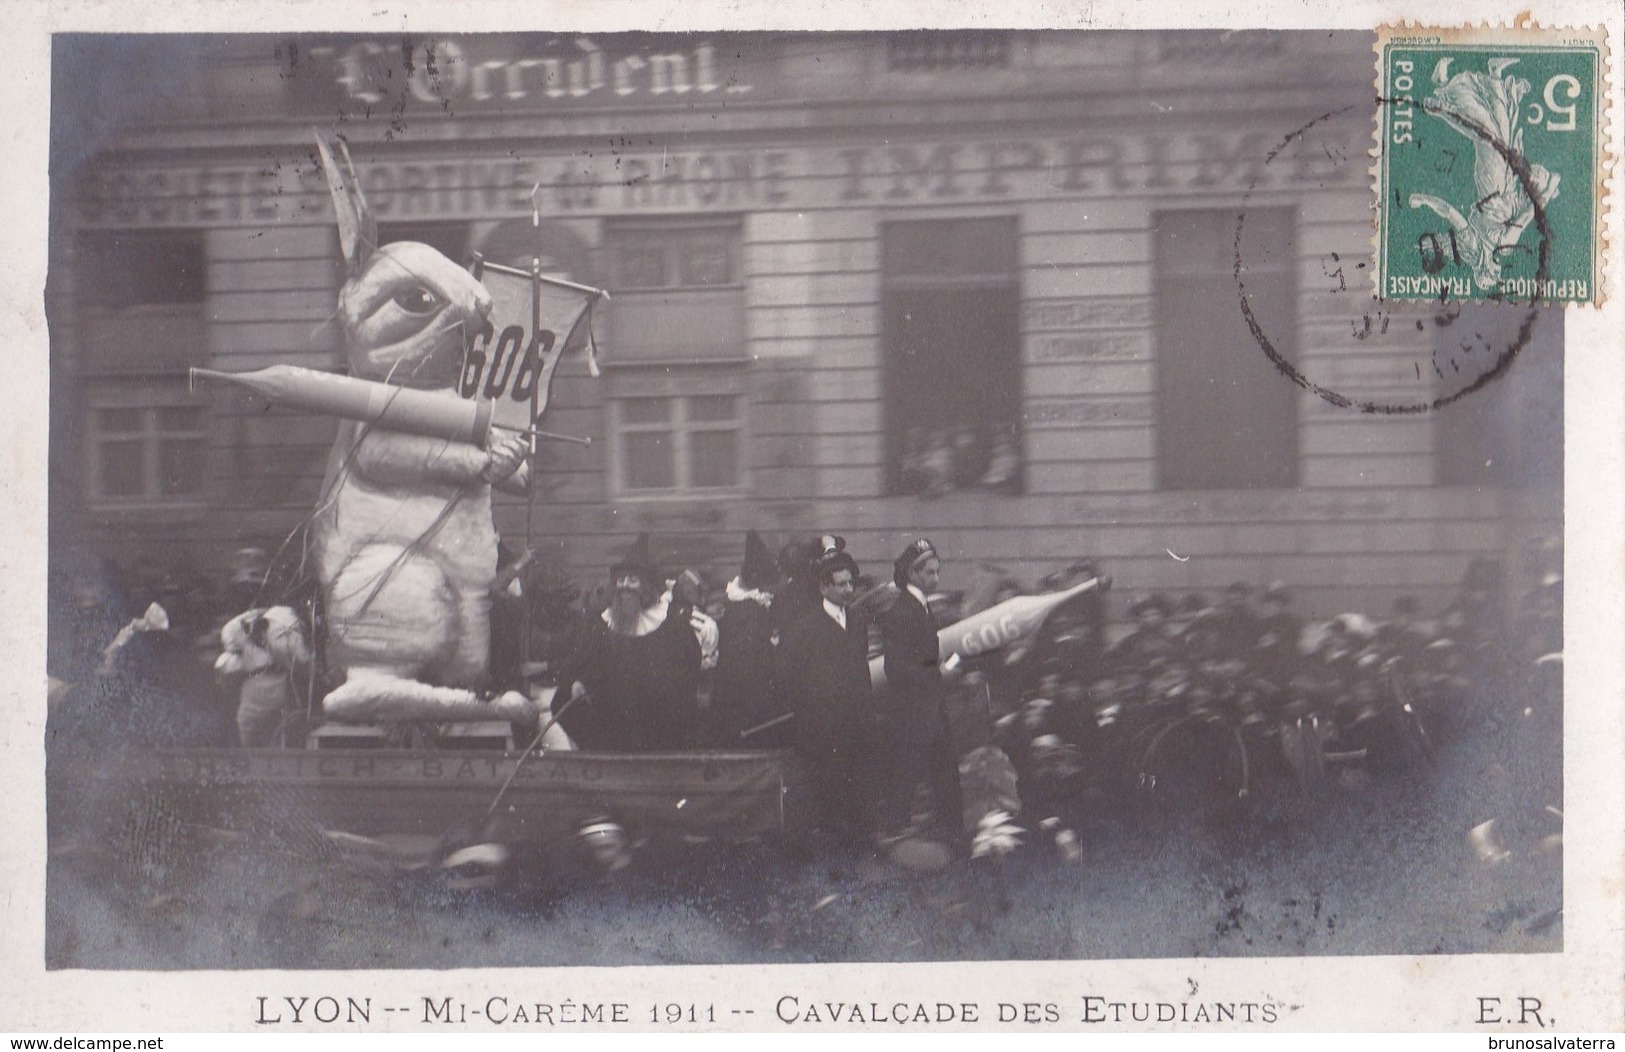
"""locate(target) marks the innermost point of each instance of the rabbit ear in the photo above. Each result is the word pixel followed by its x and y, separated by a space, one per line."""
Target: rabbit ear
pixel 358 230
pixel 369 224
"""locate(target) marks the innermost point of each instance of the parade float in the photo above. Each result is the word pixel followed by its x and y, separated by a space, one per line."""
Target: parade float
pixel 405 753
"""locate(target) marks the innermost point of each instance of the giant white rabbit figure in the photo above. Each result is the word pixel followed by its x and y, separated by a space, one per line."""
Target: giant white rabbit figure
pixel 405 547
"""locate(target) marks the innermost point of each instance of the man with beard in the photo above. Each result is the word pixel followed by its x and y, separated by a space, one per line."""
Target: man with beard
pixel 823 674
pixel 639 668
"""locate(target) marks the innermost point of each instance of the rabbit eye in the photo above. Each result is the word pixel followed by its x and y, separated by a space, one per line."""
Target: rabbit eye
pixel 417 300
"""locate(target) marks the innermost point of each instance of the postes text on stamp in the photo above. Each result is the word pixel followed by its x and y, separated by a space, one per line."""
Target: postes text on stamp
pixel 1489 172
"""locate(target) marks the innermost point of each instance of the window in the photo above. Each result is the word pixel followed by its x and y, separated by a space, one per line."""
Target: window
pixel 1226 419
pixel 684 254
pixel 674 348
pixel 952 356
pixel 1510 431
pixel 677 434
pixel 145 434
pixel 146 445
pixel 678 295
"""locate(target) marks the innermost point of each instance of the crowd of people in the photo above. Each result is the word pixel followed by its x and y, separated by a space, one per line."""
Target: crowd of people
pixel 803 651
pixel 785 661
pixel 937 462
pixel 1203 702
pixel 130 653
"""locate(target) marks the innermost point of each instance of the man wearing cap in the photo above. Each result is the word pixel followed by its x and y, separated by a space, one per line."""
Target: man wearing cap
pixel 823 676
pixel 639 668
pixel 798 566
pixel 1150 644
pixel 915 742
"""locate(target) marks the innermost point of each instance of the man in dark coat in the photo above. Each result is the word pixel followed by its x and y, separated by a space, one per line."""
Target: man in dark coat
pixel 915 742
pixel 823 676
pixel 639 667
pixel 1237 623
pixel 1276 656
pixel 743 695
pixel 1151 644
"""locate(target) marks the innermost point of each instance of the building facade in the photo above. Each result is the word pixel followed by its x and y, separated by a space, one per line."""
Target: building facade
pixel 1015 291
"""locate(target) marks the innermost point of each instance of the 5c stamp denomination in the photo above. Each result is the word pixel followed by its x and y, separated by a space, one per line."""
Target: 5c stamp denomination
pixel 1489 175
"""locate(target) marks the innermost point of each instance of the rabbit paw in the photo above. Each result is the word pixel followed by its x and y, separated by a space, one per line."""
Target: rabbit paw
pixel 504 457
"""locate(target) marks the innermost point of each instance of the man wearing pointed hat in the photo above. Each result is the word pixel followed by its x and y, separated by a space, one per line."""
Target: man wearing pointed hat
pixel 634 590
pixel 742 691
pixel 639 667
pixel 915 741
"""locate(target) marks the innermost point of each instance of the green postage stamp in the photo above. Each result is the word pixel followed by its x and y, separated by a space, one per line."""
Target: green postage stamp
pixel 1490 176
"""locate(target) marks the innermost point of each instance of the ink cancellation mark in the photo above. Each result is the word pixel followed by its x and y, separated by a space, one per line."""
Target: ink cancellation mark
pixel 1489 176
pixel 1422 354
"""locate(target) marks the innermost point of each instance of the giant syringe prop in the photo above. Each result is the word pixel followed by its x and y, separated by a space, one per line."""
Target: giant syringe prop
pixel 995 628
pixel 430 413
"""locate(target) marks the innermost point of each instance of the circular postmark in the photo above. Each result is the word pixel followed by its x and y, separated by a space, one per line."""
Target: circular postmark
pixel 1368 354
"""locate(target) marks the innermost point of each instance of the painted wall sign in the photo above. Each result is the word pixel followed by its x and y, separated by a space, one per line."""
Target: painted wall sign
pixel 1041 413
pixel 613 180
pixel 1090 346
pixel 1061 315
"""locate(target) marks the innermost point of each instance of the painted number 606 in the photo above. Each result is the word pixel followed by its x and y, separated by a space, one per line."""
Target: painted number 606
pixel 989 637
pixel 1569 87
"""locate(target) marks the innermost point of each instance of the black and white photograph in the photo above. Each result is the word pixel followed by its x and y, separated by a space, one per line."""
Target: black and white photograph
pixel 729 503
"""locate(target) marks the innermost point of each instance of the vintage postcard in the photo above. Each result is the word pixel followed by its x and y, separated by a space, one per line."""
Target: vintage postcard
pixel 591 520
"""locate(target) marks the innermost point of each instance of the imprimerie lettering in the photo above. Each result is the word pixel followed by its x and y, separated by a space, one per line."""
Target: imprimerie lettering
pixel 1535 1044
pixel 1098 1009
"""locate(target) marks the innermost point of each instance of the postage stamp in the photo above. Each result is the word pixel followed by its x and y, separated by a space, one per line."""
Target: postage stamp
pixel 1489 174
pixel 1083 304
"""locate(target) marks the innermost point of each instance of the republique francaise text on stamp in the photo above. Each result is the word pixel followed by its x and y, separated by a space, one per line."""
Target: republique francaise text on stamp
pixel 1489 175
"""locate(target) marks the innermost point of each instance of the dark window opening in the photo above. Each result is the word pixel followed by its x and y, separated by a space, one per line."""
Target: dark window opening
pixel 119 270
pixel 449 238
pixel 143 433
pixel 952 356
pixel 1226 418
